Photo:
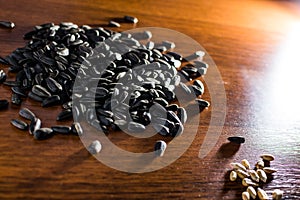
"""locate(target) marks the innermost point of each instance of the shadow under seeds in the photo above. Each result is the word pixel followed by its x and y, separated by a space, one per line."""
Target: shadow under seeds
pixel 228 150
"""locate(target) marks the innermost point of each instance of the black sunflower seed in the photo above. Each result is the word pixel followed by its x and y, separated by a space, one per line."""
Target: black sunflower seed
pixel 114 24
pixel 51 101
pixel 135 127
pixel 161 129
pixel 35 97
pixel 64 115
pixel 43 133
pixel 27 114
pixel 182 115
pixel 35 124
pixel 3 61
pixel 19 124
pixel 61 129
pixel 202 103
pixel 7 24
pixel 19 91
pixel 160 148
pixel 2 76
pixel 40 91
pixel 77 129
pixel 53 85
pixel 131 19
pixel 16 99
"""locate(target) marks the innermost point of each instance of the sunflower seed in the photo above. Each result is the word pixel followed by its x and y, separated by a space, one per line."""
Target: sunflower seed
pixel 136 127
pixel 260 164
pixel 202 103
pixel 3 104
pixel 269 170
pixel 262 175
pixel 160 148
pixel 53 85
pixel 19 91
pixel 237 166
pixel 77 129
pixel 233 176
pixel 95 147
pixel 64 115
pixel 252 192
pixel 277 194
pixel 27 114
pixel 7 24
pixel 2 76
pixel 182 115
pixel 19 124
pixel 245 163
pixel 40 91
pixel 35 124
pixel 51 101
pixel 254 176
pixel 16 99
pixel 245 196
pixel 262 194
pixel 131 19
pixel 42 133
pixel 161 129
pixel 267 157
pixel 114 24
pixel 61 129
pixel 248 182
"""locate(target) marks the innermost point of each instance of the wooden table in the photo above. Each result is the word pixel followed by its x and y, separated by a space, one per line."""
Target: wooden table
pixel 255 45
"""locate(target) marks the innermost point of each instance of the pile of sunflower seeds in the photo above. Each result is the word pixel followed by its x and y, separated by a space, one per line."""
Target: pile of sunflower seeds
pixel 253 179
pixel 120 82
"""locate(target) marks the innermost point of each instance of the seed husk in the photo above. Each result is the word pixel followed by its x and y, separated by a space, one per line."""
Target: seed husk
pixel 160 147
pixel 245 195
pixel 233 176
pixel 42 133
pixel 277 194
pixel 267 157
pixel 269 170
pixel 3 104
pixel 252 192
pixel 19 124
pixel 262 194
pixel 262 175
pixel 27 114
pixel 245 163
pixel 236 139
pixel 95 147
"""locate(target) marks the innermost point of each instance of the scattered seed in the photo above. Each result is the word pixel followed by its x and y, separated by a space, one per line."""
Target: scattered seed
pixel 7 24
pixel 260 164
pixel 61 129
pixel 242 174
pixel 114 24
pixel 136 127
pixel 64 115
pixel 27 114
pixel 131 19
pixel 34 125
pixel 277 194
pixel 19 124
pixel 262 194
pixel 254 176
pixel 233 176
pixel 262 175
pixel 267 157
pixel 160 147
pixel 95 147
pixel 245 196
pixel 269 170
pixel 245 163
pixel 42 133
pixel 252 192
pixel 237 166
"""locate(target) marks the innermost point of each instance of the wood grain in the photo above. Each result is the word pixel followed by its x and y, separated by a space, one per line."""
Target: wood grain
pixel 255 48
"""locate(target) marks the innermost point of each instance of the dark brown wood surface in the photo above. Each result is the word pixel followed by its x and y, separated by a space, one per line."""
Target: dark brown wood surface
pixel 255 45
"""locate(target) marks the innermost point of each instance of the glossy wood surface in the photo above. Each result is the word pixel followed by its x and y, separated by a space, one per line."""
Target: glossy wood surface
pixel 255 45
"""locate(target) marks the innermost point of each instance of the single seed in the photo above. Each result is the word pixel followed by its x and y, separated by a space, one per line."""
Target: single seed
pixel 42 133
pixel 252 192
pixel 51 101
pixel 2 76
pixel 136 127
pixel 245 163
pixel 160 147
pixel 202 103
pixel 245 196
pixel 19 124
pixel 7 24
pixel 27 114
pixel 254 176
pixel 260 164
pixel 114 24
pixel 64 115
pixel 233 176
pixel 262 175
pixel 248 182
pixel 262 194
pixel 242 174
pixel 131 19
pixel 77 129
pixel 267 157
pixel 95 147
pixel 269 170
pixel 237 139
pixel 237 166
pixel 277 194
pixel 34 125
pixel 61 129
